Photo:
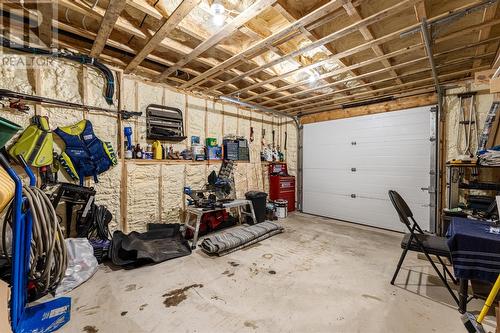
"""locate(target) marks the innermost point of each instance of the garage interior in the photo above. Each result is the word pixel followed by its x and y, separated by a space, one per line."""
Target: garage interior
pixel 253 166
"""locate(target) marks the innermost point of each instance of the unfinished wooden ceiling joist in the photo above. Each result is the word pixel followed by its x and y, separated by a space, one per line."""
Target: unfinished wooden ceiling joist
pixel 295 57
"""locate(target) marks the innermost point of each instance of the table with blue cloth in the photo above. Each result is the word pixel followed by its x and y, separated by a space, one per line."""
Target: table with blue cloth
pixel 475 253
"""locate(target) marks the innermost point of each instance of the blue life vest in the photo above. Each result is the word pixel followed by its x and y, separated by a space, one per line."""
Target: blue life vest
pixel 86 152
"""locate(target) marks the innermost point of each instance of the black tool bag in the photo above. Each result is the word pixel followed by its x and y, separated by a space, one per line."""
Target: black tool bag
pixel 160 243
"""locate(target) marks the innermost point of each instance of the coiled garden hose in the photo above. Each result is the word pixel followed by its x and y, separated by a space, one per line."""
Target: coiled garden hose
pixel 48 258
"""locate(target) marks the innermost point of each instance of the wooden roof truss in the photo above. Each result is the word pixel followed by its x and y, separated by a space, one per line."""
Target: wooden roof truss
pixel 362 50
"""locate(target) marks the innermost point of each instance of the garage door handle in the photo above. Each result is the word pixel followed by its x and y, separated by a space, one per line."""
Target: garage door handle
pixel 353 169
pixel 424 188
pixel 353 196
pixel 354 143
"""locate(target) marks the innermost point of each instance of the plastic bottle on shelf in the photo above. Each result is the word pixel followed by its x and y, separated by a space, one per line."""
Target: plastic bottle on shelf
pixel 157 151
pixel 148 154
pixel 138 152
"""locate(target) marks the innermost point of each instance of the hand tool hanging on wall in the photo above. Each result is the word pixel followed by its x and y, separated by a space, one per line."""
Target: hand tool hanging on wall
pixel 18 100
pixel 80 58
pixel 284 146
pixel 469 122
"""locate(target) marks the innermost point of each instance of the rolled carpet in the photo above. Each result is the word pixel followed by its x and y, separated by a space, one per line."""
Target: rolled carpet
pixel 239 237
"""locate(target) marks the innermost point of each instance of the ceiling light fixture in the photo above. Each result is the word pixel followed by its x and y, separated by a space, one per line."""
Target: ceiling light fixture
pixel 219 13
pixel 313 77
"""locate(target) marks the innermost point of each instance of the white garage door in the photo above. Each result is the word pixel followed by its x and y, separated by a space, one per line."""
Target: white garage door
pixel 351 164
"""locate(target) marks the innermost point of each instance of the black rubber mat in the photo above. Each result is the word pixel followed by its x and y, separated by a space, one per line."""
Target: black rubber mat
pixel 160 243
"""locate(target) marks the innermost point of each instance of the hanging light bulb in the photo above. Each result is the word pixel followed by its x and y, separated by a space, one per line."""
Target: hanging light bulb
pixel 313 77
pixel 219 13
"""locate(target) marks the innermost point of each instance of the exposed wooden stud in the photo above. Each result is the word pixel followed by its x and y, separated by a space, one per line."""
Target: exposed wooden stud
pixel 469 30
pixel 251 51
pixel 168 25
pixel 123 176
pixel 381 15
pixel 45 26
pixel 488 15
pixel 197 34
pixel 388 90
pixel 399 104
pixel 126 27
pixel 247 73
pixel 312 36
pixel 496 62
pixel 368 35
pixel 403 51
pixel 421 14
pixel 348 79
pixel 113 12
pixel 252 11
pixel 378 41
pixel 409 84
pixel 401 65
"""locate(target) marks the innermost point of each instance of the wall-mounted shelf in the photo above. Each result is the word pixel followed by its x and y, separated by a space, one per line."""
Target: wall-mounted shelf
pixel 464 165
pixel 176 162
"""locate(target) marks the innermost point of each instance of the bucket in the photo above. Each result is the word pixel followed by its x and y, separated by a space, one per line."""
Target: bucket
pixel 281 208
pixel 7 130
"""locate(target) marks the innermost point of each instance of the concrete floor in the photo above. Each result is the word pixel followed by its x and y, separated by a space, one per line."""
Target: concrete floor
pixel 319 276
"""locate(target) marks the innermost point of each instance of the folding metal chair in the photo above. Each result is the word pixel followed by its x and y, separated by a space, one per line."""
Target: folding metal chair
pixel 418 241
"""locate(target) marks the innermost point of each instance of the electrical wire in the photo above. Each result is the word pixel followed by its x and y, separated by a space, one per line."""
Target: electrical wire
pixel 99 229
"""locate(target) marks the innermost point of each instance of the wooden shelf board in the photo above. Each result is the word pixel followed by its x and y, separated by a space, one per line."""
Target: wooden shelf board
pixel 175 162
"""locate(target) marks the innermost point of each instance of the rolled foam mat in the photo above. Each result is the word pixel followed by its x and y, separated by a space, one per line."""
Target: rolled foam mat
pixel 239 237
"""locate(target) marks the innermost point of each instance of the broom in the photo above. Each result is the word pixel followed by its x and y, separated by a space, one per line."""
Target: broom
pixel 474 325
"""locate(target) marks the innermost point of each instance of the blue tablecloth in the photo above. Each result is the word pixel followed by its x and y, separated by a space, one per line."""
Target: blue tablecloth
pixel 475 251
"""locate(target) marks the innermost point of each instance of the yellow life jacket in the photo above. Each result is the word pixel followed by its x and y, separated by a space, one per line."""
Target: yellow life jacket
pixel 35 144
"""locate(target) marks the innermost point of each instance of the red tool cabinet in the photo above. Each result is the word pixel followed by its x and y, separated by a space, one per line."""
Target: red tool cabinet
pixel 281 185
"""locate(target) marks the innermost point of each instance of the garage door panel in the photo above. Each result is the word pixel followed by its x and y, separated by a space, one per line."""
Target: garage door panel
pixel 409 149
pixel 391 151
pixel 364 179
pixel 366 135
pixel 375 191
pixel 327 161
pixel 361 210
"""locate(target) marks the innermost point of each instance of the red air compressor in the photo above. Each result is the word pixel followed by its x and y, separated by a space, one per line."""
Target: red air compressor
pixel 281 184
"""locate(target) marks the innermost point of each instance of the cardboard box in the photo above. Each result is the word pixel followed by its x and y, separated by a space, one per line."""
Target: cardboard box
pixel 4 307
